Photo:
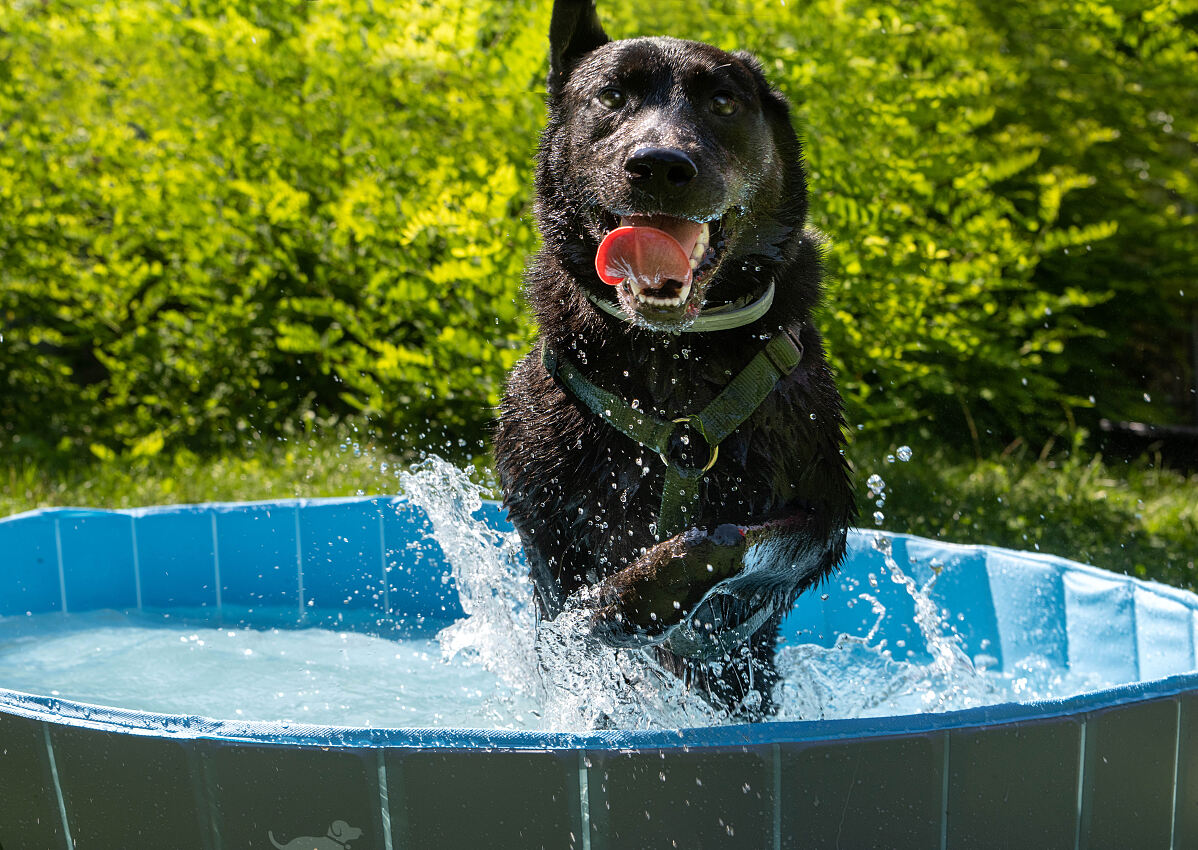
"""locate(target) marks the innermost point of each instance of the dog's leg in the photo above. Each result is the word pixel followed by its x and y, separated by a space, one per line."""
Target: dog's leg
pixel 742 682
pixel 662 588
pixel 665 583
pixel 746 683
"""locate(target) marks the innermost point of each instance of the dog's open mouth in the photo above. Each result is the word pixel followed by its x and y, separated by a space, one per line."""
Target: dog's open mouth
pixel 657 261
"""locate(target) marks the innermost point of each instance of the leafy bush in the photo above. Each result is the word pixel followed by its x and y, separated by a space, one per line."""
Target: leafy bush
pixel 972 167
pixel 218 214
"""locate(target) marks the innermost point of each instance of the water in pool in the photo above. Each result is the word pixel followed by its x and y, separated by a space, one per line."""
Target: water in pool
pixel 304 675
pixel 485 671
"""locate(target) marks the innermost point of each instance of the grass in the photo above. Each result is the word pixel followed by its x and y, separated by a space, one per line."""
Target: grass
pixel 1131 518
pixel 342 462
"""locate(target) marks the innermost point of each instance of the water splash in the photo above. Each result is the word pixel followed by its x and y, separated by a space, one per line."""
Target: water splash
pixel 860 677
pixel 587 685
pixel 948 659
pixel 578 683
pixel 497 631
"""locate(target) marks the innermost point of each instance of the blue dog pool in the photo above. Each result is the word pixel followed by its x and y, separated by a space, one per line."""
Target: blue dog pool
pixel 1116 767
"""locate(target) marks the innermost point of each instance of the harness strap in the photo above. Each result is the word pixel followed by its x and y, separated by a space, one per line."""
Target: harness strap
pixel 726 412
pixel 638 425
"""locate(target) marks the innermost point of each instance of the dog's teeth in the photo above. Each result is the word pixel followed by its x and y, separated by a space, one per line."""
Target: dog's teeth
pixel 661 301
pixel 700 249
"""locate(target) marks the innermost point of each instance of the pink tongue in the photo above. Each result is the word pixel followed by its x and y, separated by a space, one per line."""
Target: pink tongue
pixel 651 250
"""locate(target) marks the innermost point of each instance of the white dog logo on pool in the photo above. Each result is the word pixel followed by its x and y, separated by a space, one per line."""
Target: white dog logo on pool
pixel 339 836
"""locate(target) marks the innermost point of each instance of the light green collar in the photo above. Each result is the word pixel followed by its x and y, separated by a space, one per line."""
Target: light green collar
pixel 720 318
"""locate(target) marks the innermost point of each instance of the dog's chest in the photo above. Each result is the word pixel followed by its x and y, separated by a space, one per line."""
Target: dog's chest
pixel 602 490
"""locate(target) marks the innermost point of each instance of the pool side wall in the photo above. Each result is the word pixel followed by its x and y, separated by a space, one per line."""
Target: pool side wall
pixel 1121 777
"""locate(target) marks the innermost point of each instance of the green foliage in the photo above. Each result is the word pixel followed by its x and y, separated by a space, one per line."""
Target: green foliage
pixel 976 186
pixel 218 214
pixel 1108 89
pixel 1135 519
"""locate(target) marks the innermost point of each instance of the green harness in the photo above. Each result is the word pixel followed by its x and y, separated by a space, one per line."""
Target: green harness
pixel 726 412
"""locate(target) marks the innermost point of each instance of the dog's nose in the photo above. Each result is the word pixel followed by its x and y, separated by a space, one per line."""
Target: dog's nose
pixel 659 169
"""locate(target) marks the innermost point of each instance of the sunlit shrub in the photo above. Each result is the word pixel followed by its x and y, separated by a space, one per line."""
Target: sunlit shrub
pixel 218 214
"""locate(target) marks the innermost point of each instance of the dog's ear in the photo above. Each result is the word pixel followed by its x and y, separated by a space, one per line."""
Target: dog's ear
pixel 574 31
pixel 770 96
pixel 750 61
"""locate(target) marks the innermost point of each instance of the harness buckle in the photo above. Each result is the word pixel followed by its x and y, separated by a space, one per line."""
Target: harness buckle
pixel 696 424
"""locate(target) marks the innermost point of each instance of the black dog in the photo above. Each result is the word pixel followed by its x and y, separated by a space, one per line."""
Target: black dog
pixel 673 443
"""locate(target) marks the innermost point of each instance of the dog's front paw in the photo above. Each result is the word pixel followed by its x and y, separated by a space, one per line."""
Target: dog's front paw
pixel 658 589
pixel 720 552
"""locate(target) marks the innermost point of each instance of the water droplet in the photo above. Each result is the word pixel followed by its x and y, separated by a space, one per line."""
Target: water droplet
pixel 876 485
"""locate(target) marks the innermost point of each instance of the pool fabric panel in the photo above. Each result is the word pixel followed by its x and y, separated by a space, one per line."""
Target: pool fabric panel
pixel 1014 786
pixel 291 793
pixel 29 563
pixel 176 560
pixel 30 818
pixel 1164 634
pixel 882 792
pixel 446 799
pixel 1185 802
pixel 256 544
pixel 1029 599
pixel 1128 786
pixel 713 798
pixel 127 791
pixel 98 564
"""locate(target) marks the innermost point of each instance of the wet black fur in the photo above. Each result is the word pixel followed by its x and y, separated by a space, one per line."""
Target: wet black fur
pixel 585 497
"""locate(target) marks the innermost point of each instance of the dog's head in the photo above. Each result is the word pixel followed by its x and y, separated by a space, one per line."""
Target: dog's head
pixel 669 171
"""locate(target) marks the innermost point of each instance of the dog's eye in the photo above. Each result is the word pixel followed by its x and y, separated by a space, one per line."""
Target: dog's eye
pixel 724 104
pixel 611 97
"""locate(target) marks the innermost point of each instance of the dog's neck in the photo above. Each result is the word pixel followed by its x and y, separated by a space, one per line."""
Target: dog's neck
pixel 671 374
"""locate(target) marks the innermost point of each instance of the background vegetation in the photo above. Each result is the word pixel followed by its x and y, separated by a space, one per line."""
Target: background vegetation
pixel 229 227
pixel 216 215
